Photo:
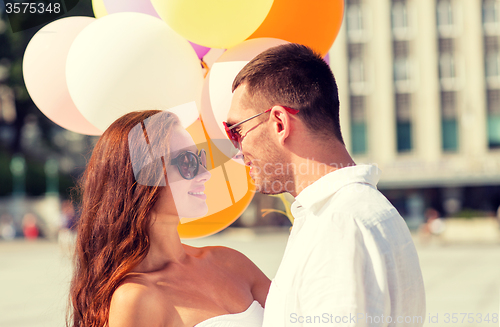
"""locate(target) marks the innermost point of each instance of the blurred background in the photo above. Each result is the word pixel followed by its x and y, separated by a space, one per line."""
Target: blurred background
pixel 419 85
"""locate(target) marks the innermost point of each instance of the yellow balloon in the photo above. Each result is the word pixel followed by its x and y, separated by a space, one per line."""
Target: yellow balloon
pixel 213 24
pixel 99 8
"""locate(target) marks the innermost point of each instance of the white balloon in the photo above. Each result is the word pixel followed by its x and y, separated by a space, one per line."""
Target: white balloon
pixel 221 80
pixel 125 62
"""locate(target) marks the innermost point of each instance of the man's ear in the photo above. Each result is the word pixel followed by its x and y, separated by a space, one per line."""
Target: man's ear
pixel 281 123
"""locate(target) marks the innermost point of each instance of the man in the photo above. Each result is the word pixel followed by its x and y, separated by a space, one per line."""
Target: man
pixel 350 260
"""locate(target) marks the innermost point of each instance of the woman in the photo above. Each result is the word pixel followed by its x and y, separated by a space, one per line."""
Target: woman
pixel 131 267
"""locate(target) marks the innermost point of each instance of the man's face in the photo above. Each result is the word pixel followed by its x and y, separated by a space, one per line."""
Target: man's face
pixel 260 149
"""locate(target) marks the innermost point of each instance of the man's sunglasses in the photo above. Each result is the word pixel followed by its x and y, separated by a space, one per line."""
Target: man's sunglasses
pixel 189 163
pixel 235 137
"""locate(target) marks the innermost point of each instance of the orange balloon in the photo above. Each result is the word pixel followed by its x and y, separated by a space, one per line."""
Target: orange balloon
pixel 312 23
pixel 229 190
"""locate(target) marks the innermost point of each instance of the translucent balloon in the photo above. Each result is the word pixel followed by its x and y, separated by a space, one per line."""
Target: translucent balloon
pixel 217 89
pixel 229 190
pixel 312 23
pixel 44 72
pixel 130 61
pixel 99 8
pixel 141 6
pixel 214 24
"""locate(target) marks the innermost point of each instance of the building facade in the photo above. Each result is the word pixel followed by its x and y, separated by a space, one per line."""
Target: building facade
pixel 419 85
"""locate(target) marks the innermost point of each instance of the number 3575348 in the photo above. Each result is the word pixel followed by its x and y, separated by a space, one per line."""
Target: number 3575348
pixel 32 8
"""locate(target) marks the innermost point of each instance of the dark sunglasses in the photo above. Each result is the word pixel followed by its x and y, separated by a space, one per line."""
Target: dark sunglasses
pixel 235 137
pixel 189 163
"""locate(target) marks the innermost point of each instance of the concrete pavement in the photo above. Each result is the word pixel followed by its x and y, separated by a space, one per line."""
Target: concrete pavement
pixel 34 277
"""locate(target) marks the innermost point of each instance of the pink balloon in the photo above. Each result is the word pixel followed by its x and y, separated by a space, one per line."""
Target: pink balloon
pixel 140 6
pixel 44 71
pixel 216 94
pixel 327 58
pixel 200 50
pixel 248 49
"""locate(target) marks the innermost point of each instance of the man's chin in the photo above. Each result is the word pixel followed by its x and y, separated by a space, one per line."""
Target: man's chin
pixel 264 187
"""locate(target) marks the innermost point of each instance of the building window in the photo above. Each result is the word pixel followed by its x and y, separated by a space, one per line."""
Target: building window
pixel 358 79
pixel 354 17
pixel 444 14
pixel 493 64
pixel 447 18
pixel 449 126
pixel 356 71
pixel 447 66
pixel 450 68
pixel 493 102
pixel 402 70
pixel 358 125
pixel 446 45
pixel 491 13
pixel 399 15
pixel 403 122
pixel 357 22
pixel 400 19
pixel 492 61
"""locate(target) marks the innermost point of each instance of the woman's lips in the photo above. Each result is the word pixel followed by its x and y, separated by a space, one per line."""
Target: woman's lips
pixel 198 192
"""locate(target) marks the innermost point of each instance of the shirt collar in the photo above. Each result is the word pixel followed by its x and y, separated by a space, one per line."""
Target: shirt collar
pixel 329 184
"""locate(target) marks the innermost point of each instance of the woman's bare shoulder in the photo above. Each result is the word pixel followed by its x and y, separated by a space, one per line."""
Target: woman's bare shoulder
pixel 137 303
pixel 240 264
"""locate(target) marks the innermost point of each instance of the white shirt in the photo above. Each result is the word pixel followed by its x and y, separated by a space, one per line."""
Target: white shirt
pixel 349 260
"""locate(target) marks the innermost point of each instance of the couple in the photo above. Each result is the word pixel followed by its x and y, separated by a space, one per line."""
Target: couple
pixel 349 260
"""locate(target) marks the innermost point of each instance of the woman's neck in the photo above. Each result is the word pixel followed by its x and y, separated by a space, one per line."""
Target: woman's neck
pixel 165 244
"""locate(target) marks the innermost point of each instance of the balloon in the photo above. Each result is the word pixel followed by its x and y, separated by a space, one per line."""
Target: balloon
pixel 249 49
pixel 200 50
pixel 44 71
pixel 130 61
pixel 141 6
pixel 312 23
pixel 105 7
pixel 214 24
pixel 327 58
pixel 99 8
pixel 217 88
pixel 227 198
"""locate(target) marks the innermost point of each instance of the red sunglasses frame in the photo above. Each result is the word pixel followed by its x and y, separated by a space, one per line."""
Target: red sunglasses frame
pixel 235 137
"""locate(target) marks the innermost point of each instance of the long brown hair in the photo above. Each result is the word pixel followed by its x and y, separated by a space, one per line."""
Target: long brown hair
pixel 113 230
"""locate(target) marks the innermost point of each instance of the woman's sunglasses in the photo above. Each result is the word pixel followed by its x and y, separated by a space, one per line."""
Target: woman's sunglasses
pixel 189 163
pixel 235 137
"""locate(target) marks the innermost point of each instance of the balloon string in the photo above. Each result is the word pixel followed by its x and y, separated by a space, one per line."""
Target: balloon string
pixel 205 66
pixel 287 212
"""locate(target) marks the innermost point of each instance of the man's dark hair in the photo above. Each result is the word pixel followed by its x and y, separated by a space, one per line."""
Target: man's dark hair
pixel 294 76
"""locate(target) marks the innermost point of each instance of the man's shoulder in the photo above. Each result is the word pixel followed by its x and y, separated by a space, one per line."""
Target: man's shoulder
pixel 364 203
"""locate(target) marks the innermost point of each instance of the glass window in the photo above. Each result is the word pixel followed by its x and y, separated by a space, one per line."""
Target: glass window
pixel 490 11
pixel 493 102
pixel 354 19
pixel 404 136
pixel 356 71
pixel 493 64
pixel 402 69
pixel 403 122
pixel 449 135
pixel 447 66
pixel 399 15
pixel 444 13
pixel 358 124
pixel 449 127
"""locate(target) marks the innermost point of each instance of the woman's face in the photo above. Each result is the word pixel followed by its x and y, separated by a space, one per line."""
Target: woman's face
pixel 187 195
